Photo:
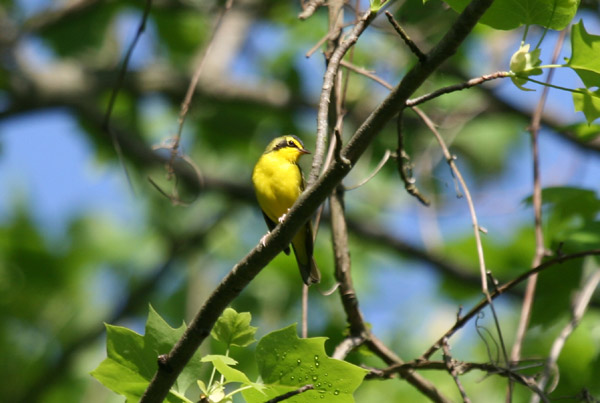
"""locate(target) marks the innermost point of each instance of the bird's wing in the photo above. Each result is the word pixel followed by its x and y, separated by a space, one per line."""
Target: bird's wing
pixel 271 225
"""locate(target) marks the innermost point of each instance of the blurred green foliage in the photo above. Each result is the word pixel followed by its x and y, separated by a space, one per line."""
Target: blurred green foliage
pixel 58 289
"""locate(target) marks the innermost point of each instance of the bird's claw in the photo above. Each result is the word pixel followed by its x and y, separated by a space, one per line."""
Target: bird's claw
pixel 263 240
pixel 283 216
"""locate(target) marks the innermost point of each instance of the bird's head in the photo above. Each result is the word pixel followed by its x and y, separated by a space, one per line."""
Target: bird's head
pixel 289 147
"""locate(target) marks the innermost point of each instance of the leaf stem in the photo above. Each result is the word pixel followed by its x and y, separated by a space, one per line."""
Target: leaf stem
pixel 551 66
pixel 542 37
pixel 238 390
pixel 525 34
pixel 558 87
pixel 222 376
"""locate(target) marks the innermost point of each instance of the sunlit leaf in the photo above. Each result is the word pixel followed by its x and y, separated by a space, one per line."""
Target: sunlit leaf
pixel 132 359
pixel 584 59
pixel 587 102
pixel 286 363
pixel 233 328
pixel 582 131
pixel 510 14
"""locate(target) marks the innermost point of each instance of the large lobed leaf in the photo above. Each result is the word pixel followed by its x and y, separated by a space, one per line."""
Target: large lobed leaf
pixel 132 359
pixel 286 363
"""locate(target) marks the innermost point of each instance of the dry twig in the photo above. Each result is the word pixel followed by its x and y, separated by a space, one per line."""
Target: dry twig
pixel 540 250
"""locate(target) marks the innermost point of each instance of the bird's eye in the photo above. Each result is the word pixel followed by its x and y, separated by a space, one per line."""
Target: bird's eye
pixel 291 143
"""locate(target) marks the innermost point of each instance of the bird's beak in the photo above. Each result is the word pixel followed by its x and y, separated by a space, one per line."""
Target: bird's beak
pixel 304 151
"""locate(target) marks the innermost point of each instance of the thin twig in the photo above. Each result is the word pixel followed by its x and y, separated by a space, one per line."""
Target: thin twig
pixel 457 87
pixel 359 333
pixel 451 367
pixel 310 8
pixel 366 73
pixel 293 393
pixel 185 106
pixel 328 84
pixel 384 159
pixel 405 165
pixel 461 368
pixel 411 45
pixel 450 159
pixel 540 250
pixel 119 84
pixel 580 305
pixel 346 346
pixel 329 35
pixel 501 290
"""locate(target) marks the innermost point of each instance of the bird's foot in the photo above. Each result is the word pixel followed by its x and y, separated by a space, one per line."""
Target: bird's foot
pixel 263 240
pixel 283 216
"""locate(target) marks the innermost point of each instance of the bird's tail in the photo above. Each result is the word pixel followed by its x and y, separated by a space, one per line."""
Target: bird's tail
pixel 303 249
pixel 310 272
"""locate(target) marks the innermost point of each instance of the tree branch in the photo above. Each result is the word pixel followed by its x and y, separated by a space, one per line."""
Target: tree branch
pixel 501 290
pixel 326 90
pixel 243 272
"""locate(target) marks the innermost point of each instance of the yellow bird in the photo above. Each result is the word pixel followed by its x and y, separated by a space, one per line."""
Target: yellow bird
pixel 278 182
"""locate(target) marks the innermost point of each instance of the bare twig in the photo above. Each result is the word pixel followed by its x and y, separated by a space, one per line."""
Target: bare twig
pixel 411 45
pixel 328 84
pixel 310 8
pixel 293 393
pixel 346 346
pixel 328 36
pixel 501 290
pixel 457 87
pixel 366 73
pixel 580 305
pixel 113 96
pixel 461 367
pixel 450 160
pixel 405 166
pixel 185 106
pixel 359 333
pixel 540 250
pixel 451 367
pixel 384 159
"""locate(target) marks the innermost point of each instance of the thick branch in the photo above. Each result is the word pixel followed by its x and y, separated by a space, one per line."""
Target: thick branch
pixel 307 203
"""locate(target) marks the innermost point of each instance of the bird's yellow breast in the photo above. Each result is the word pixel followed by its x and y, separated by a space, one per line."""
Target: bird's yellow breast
pixel 278 183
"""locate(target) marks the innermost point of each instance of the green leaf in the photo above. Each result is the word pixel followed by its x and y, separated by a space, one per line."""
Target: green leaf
pixel 223 364
pixel 376 5
pixel 584 132
pixel 132 359
pixel 233 329
pixel 585 238
pixel 587 102
pixel 584 58
pixel 286 363
pixel 554 291
pixel 567 209
pixel 83 34
pixel 511 14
